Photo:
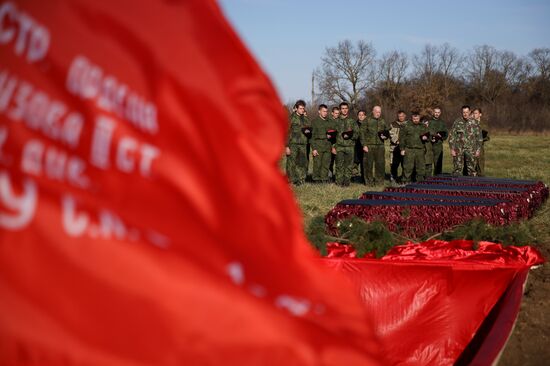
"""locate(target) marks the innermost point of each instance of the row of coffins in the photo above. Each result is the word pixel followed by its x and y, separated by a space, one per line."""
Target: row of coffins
pixel 443 202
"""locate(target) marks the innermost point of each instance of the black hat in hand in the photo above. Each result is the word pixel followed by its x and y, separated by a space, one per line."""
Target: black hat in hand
pixel 346 135
pixel 331 136
pixel 384 135
pixel 307 131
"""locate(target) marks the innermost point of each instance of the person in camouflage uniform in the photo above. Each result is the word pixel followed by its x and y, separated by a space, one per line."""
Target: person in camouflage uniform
pixel 321 145
pixel 441 133
pixel 358 153
pixel 465 140
pixel 296 148
pixel 373 134
pixel 334 118
pixel 414 137
pixel 480 167
pixel 396 159
pixel 345 143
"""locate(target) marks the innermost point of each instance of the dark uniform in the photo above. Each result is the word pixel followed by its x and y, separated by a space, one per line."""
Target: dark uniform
pixel 345 144
pixel 321 143
pixel 375 157
pixel 358 155
pixel 440 128
pixel 429 157
pixel 415 150
pixel 297 161
pixel 480 167
pixel 396 159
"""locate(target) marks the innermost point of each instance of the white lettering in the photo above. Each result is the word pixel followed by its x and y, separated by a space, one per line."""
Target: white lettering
pixel 88 81
pixel 74 223
pixel 6 34
pixel 7 87
pixel 31 36
pixel 22 207
pixel 148 154
pixel 31 160
pixel 101 141
pixel 125 162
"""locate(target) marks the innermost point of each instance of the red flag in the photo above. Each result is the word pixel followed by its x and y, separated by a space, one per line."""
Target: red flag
pixel 143 216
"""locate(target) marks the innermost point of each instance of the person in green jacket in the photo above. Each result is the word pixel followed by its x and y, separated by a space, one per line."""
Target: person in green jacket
pixel 480 167
pixel 413 138
pixel 465 140
pixel 441 132
pixel 321 145
pixel 358 153
pixel 374 132
pixel 429 156
pixel 296 148
pixel 345 143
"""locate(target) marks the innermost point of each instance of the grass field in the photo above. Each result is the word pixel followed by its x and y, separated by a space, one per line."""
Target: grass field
pixel 507 156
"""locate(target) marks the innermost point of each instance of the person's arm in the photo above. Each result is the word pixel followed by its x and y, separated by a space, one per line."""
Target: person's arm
pixel 452 138
pixel 443 127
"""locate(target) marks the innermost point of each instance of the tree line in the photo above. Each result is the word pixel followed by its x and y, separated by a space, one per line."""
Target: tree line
pixel 513 90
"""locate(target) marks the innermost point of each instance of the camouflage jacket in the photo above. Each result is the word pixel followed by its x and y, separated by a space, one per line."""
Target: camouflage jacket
pixel 465 135
pixel 370 129
pixel 346 124
pixel 319 139
pixel 410 136
pixel 295 134
pixel 395 127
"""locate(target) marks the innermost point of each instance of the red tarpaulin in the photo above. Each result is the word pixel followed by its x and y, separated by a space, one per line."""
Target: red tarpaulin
pixel 440 303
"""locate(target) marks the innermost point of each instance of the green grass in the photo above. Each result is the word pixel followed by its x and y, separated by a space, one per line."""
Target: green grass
pixel 507 156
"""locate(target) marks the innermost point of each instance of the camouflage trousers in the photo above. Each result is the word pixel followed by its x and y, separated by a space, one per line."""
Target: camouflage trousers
pixel 376 159
pixel 464 160
pixel 344 163
pixel 296 164
pixel 321 165
pixel 414 159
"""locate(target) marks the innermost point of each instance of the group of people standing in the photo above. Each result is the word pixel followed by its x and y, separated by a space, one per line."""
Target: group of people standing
pixel 344 148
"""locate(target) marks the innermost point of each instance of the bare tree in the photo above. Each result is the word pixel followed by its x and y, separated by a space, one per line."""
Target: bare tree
pixel 490 72
pixel 436 69
pixel 392 71
pixel 540 57
pixel 346 71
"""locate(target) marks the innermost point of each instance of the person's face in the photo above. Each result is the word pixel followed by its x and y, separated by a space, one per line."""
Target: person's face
pixel 477 115
pixel 301 110
pixel 437 113
pixel 416 119
pixel 344 109
pixel 466 113
pixel 323 113
pixel 361 116
pixel 376 112
pixel 335 113
pixel 401 117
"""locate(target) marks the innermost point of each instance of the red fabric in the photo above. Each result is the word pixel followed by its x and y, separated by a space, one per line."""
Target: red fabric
pixel 430 299
pixel 149 224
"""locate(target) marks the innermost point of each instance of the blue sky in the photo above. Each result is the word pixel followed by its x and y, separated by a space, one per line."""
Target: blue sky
pixel 288 37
